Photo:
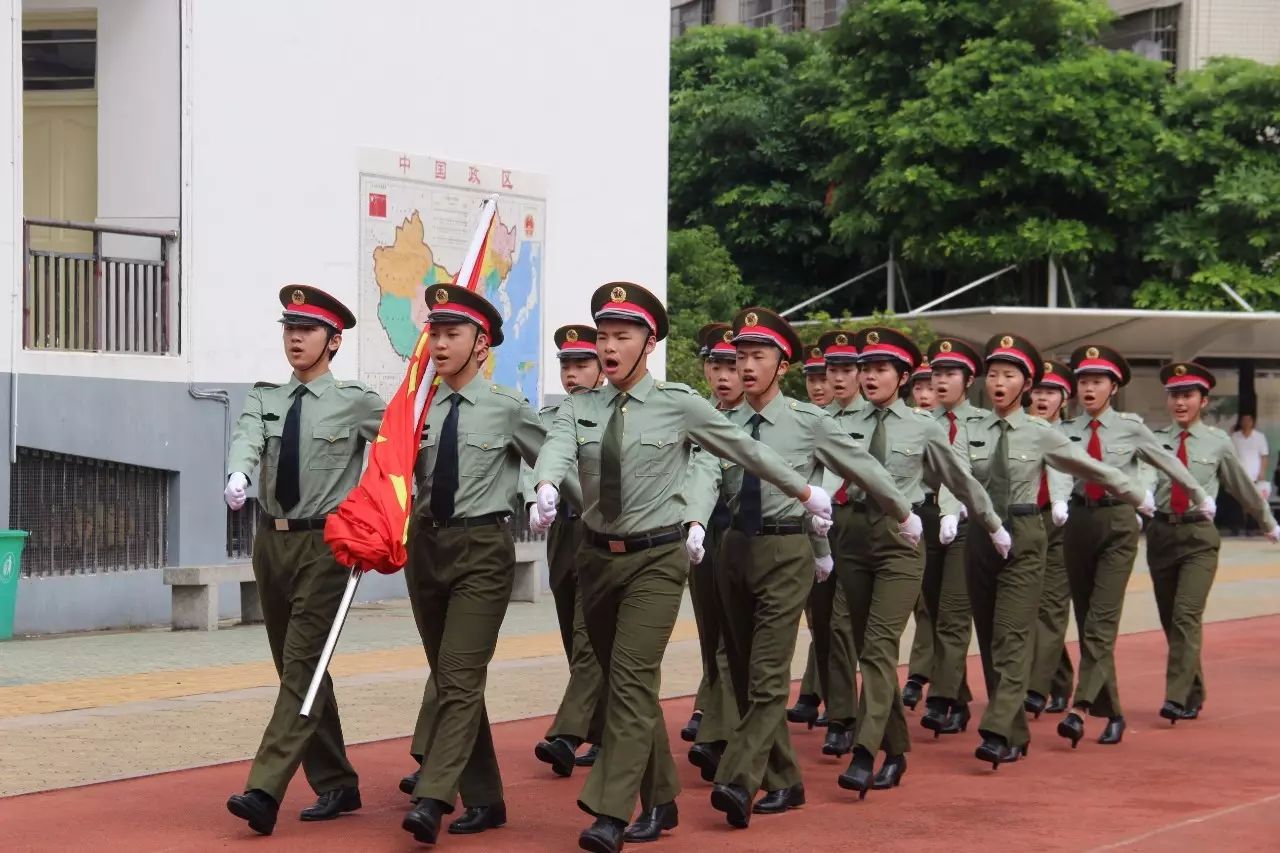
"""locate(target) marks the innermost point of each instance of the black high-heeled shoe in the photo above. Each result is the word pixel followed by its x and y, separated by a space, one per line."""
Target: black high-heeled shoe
pixel 913 691
pixel 1071 727
pixel 1172 712
pixel 1034 703
pixel 957 721
pixel 859 775
pixel 993 750
pixel 689 733
pixel 804 711
pixel 1113 733
pixel 839 740
pixel 890 773
pixel 1057 704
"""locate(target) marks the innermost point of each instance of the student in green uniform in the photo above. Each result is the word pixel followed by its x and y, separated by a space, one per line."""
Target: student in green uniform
pixel 1049 687
pixel 920 662
pixel 629 441
pixel 1009 451
pixel 306 439
pixel 766 560
pixel 1101 538
pixel 716 711
pixel 462 557
pixel 1182 545
pixel 880 568
pixel 580 717
pixel 955 363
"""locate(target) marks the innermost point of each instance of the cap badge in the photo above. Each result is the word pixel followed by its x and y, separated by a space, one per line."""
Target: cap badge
pixel 298 297
pixel 815 353
pixel 1006 341
pixel 842 340
pixel 873 337
pixel 1180 370
pixel 945 346
pixel 442 296
pixel 1048 368
pixel 727 337
pixel 571 336
pixel 618 294
pixel 751 319
pixel 1091 352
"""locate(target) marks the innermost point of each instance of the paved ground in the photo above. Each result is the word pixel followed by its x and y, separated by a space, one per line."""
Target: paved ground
pixel 88 708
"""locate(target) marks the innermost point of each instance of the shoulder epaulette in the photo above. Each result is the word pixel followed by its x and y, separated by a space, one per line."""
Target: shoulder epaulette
pixel 349 383
pixel 546 410
pixel 508 392
pixel 1131 416
pixel 807 408
pixel 266 385
pixel 675 386
pixel 1219 433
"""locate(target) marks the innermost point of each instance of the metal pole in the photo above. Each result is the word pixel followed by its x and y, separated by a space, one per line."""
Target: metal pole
pixel 322 666
pixel 890 298
pixel 1071 294
pixel 830 290
pixel 1053 283
pixel 959 290
pixel 1239 300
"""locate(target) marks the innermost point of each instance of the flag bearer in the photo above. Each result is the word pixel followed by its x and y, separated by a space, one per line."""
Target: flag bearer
pixel 1101 539
pixel 581 714
pixel 462 557
pixel 1009 451
pixel 630 443
pixel 306 438
pixel 767 561
pixel 1182 545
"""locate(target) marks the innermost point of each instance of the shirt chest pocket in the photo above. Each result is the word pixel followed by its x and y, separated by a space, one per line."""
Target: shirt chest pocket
pixel 482 454
pixel 1024 467
pixel 589 452
pixel 1202 467
pixel 331 446
pixel 904 462
pixel 798 462
pixel 980 459
pixel 1118 455
pixel 659 450
pixel 426 455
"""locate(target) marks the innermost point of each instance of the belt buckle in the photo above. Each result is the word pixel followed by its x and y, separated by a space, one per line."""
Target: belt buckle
pixel 281 524
pixel 617 546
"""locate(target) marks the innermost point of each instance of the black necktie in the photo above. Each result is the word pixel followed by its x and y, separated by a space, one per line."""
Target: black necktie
pixel 611 461
pixel 288 489
pixel 750 511
pixel 444 479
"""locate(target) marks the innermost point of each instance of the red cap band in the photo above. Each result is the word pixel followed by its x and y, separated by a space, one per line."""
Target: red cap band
pixel 586 347
pixel 631 311
pixel 466 313
pixel 840 349
pixel 724 348
pixel 1187 381
pixel 763 334
pixel 1020 356
pixel 316 311
pixel 887 349
pixel 1096 364
pixel 1055 379
pixel 945 359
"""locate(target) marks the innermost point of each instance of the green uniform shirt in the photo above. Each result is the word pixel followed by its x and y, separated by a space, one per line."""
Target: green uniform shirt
pixel 1060 482
pixel 1032 444
pixel 1212 459
pixel 496 429
pixel 832 481
pixel 337 418
pixel 809 440
pixel 660 420
pixel 918 450
pixel 1126 441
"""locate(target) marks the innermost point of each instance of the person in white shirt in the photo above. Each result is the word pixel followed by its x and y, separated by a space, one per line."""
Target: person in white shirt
pixel 1251 447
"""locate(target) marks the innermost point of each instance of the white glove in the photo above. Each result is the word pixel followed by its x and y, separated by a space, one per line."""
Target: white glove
pixel 234 494
pixel 1003 542
pixel 1273 535
pixel 536 522
pixel 911 529
pixel 693 544
pixel 1058 512
pixel 819 502
pixel 1142 522
pixel 820 526
pixel 948 527
pixel 1208 507
pixel 548 497
pixel 822 567
pixel 1148 505
pixel 964 512
pixel 1264 489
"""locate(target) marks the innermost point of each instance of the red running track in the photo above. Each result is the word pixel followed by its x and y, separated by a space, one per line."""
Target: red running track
pixel 1211 784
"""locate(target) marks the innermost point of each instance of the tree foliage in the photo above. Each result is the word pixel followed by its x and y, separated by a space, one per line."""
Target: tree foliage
pixel 703 286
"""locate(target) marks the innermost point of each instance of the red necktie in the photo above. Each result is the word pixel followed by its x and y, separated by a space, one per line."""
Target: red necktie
pixel 951 430
pixel 1179 501
pixel 1093 491
pixel 1043 498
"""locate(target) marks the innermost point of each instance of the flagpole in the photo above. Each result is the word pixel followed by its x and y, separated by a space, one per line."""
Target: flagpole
pixel 331 642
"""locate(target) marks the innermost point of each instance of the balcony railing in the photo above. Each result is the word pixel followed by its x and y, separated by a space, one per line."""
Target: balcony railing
pixel 95 302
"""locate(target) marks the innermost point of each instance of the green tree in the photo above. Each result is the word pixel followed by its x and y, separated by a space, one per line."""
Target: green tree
pixel 1220 158
pixel 703 286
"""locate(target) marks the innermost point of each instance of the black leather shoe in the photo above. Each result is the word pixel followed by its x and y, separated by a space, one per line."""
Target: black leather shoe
pixel 408 783
pixel 822 722
pixel 805 710
pixel 734 802
pixel 1192 713
pixel 706 757
pixel 650 825
pixel 859 775
pixel 1113 733
pixel 690 731
pixel 890 773
pixel 479 818
pixel 1034 704
pixel 993 750
pixel 332 803
pixel 1057 704
pixel 257 808
pixel 1015 753
pixel 424 821
pixel 1172 712
pixel 588 758
pixel 557 752
pixel 839 740
pixel 957 721
pixel 913 690
pixel 603 836
pixel 1072 728
pixel 777 802
pixel 935 715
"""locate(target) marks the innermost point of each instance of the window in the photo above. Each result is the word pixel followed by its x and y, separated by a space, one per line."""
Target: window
pixel 824 14
pixel 88 515
pixel 692 14
pixel 241 526
pixel 786 15
pixel 1152 33
pixel 59 59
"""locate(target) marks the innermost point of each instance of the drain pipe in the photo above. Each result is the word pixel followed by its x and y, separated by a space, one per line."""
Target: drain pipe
pixel 217 395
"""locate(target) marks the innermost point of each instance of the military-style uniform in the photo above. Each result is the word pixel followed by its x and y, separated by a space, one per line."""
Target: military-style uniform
pixel 631 449
pixel 944 586
pixel 1052 674
pixel 1101 541
pixel 1009 455
pixel 580 716
pixel 1182 545
pixel 765 567
pixel 806 708
pixel 881 570
pixel 920 663
pixel 308 442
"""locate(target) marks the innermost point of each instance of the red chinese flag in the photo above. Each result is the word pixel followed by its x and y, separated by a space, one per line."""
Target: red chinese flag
pixel 370 528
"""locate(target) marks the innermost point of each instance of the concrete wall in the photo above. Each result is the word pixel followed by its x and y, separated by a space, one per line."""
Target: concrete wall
pixel 1208 28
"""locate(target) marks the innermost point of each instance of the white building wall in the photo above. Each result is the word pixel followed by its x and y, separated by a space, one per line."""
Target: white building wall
pixel 10 189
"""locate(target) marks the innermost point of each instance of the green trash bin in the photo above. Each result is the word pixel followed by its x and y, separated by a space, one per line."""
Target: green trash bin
pixel 11 542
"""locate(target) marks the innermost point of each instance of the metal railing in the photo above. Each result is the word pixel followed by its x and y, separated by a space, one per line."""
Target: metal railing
pixel 92 302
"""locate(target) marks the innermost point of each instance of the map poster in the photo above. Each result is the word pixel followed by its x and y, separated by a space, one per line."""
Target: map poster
pixel 417 214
